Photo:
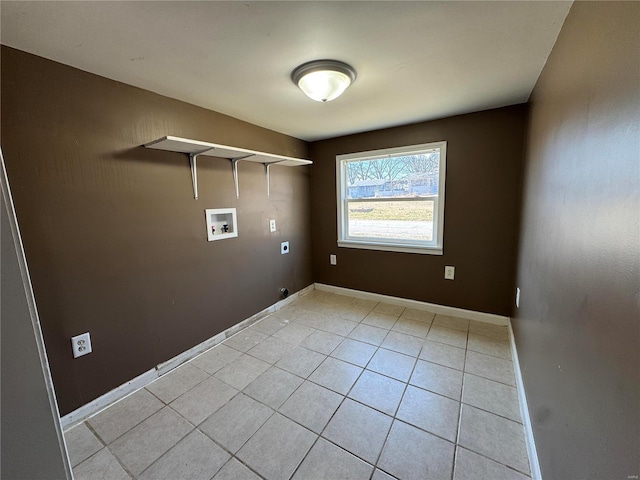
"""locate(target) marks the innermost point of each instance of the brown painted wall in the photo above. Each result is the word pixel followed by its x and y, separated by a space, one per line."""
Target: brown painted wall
pixel 116 242
pixel 484 161
pixel 578 328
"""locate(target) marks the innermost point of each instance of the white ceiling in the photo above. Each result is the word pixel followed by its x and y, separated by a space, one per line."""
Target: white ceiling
pixel 415 60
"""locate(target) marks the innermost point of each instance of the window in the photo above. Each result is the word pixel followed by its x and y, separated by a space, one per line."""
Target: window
pixel 392 199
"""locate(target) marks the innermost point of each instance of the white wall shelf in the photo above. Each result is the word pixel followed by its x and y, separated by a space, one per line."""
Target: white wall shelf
pixel 195 148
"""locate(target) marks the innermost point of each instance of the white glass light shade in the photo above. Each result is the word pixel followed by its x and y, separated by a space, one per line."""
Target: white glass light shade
pixel 323 80
pixel 324 85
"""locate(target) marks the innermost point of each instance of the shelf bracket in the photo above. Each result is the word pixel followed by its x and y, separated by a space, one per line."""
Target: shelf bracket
pixel 194 149
pixel 234 165
pixel 266 175
pixel 193 157
pixel 193 162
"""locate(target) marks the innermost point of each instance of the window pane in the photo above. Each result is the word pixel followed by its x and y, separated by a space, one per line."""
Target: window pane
pixel 393 198
pixel 394 177
pixel 397 220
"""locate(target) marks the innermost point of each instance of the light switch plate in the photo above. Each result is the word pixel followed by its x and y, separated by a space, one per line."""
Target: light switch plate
pixel 284 248
pixel 333 260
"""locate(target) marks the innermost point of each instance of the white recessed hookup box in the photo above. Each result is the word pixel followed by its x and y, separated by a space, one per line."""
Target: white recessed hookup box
pixel 221 223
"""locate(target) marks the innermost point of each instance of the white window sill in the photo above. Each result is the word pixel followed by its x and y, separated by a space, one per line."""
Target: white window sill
pixel 391 247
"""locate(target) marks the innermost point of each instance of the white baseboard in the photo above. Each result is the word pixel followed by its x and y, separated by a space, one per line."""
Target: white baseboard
pixel 471 315
pixel 70 420
pixel 109 398
pixel 536 474
pixel 90 409
pixel 213 341
pixel 430 307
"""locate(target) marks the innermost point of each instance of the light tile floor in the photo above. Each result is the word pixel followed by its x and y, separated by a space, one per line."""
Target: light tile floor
pixel 330 387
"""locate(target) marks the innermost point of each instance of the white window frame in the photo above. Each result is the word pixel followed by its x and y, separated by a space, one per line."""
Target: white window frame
pixel 435 247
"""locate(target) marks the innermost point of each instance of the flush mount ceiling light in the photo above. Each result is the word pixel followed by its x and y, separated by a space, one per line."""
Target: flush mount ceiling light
pixel 323 80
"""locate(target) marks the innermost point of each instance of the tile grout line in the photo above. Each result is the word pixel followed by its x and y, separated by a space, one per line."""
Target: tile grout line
pixel 395 413
pixel 378 347
pixel 224 448
pixel 407 384
pixel 344 397
pixel 493 460
pixel 170 448
pixel 457 444
pixel 86 422
pixel 233 457
pixel 297 423
pixel 318 436
pixel 106 446
pixel 462 403
pixel 70 420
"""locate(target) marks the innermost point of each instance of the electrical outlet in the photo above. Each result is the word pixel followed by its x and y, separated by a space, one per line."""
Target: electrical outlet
pixel 81 345
pixel 284 248
pixel 333 260
pixel 272 226
pixel 517 298
pixel 449 272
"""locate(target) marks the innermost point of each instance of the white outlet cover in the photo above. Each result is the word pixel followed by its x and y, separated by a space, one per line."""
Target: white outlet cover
pixel 449 272
pixel 284 248
pixel 333 260
pixel 272 225
pixel 81 345
pixel 517 298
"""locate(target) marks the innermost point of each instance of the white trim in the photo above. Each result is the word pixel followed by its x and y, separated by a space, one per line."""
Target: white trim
pixel 193 352
pixel 92 408
pixel 392 152
pixel 34 315
pixel 79 415
pixel 434 247
pixel 534 465
pixel 389 247
pixel 472 315
pixel 431 307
